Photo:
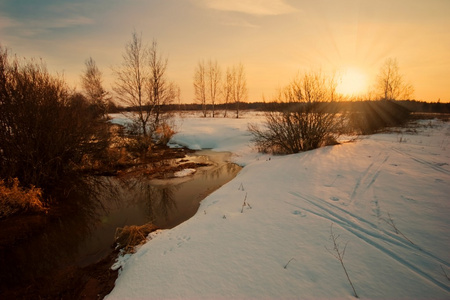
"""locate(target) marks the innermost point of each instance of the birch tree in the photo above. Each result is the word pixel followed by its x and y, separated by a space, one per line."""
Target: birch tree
pixel 227 89
pixel 160 90
pixel 213 78
pixel 141 83
pixel 200 85
pixel 131 78
pixel 239 89
pixel 390 83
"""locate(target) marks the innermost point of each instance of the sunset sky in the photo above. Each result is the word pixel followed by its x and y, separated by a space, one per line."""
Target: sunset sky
pixel 273 39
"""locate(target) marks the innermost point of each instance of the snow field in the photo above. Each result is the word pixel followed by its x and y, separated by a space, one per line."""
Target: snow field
pixel 366 189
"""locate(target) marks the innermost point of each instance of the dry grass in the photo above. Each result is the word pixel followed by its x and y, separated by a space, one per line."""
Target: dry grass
pixel 129 237
pixel 164 133
pixel 15 199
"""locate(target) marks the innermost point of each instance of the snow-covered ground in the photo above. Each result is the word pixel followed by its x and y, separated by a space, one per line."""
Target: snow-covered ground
pixel 387 196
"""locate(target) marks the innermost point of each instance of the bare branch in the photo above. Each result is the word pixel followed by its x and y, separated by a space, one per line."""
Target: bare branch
pixel 285 266
pixel 340 256
pixel 391 223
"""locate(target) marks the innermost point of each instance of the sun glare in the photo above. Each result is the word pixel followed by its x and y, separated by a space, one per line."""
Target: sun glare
pixel 353 82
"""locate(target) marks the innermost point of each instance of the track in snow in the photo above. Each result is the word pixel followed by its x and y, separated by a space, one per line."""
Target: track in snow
pixel 373 235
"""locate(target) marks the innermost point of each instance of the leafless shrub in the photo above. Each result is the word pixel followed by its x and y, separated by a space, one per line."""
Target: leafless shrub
pixel 305 118
pixel 47 131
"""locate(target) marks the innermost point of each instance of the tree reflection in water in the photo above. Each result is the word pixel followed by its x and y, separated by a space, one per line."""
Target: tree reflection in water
pixel 82 232
pixel 54 240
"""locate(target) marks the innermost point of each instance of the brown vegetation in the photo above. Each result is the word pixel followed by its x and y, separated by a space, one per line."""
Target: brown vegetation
pixel 47 131
pixel 308 117
pixel 14 199
pixel 128 237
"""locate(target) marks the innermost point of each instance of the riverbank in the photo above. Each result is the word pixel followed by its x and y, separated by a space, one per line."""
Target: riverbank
pixel 266 234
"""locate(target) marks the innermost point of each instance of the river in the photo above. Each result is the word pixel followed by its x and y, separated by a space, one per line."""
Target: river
pixel 84 233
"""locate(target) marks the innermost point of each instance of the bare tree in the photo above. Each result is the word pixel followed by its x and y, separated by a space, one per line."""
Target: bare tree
pixel 240 92
pixel 213 77
pixel 132 77
pixel 142 84
pixel 160 91
pixel 390 83
pixel 200 85
pixel 305 117
pixel 227 89
pixel 92 84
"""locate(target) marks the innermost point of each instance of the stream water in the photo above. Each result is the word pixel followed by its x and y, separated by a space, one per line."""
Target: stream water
pixel 86 234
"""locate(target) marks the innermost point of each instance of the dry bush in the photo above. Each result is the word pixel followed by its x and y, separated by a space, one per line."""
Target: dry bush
pixel 129 237
pixel 15 199
pixel 46 129
pixel 305 117
pixel 164 133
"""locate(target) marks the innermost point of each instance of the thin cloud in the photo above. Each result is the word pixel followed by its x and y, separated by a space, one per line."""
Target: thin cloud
pixel 69 22
pixel 27 19
pixel 252 7
pixel 6 22
pixel 30 28
pixel 240 23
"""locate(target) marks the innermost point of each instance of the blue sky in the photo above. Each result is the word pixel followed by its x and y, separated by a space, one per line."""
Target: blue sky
pixel 274 39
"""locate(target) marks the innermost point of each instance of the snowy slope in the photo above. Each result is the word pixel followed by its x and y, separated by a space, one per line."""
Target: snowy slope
pixel 364 188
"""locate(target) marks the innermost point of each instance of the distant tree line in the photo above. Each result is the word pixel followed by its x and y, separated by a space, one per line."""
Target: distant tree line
pixel 410 105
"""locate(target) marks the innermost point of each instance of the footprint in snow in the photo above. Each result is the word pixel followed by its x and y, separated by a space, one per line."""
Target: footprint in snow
pixel 299 213
pixel 408 199
pixel 182 240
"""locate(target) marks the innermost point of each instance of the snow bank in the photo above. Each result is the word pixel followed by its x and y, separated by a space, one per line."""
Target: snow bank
pixel 184 172
pixel 219 134
pixel 386 194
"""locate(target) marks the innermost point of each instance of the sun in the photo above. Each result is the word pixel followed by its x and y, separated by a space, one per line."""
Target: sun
pixel 353 82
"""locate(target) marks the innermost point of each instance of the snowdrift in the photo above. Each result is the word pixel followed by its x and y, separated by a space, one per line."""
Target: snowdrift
pixel 387 196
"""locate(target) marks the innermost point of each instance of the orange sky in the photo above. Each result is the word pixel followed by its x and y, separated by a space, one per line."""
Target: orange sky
pixel 274 39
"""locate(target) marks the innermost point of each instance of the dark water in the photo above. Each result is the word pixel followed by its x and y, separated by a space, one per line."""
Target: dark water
pixel 85 234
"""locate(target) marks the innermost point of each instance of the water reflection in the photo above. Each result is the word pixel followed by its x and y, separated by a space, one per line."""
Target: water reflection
pixel 54 240
pixel 83 232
